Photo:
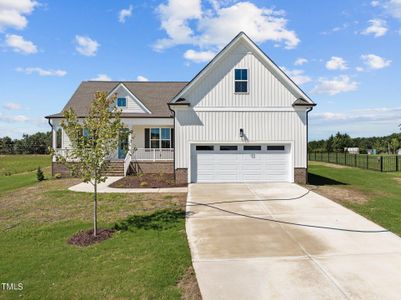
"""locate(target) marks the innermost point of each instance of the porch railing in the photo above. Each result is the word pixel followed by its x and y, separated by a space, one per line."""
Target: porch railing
pixel 127 162
pixel 155 154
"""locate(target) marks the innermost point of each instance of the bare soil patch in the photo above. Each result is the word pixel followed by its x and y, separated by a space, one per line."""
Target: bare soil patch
pixel 342 194
pixel 334 166
pixel 189 286
pixel 150 180
pixel 398 179
pixel 86 238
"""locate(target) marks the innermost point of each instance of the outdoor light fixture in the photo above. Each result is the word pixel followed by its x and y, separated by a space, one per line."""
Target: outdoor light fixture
pixel 241 132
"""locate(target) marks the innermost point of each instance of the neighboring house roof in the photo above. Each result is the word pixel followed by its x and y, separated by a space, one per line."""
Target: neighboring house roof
pixel 279 73
pixel 154 96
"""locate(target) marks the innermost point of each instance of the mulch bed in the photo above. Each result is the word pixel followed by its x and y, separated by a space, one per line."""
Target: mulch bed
pixel 86 238
pixel 149 180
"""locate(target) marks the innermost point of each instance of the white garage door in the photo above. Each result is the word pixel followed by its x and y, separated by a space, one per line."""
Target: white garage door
pixel 241 163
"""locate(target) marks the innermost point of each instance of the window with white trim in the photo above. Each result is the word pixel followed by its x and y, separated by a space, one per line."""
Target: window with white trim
pixel 241 80
pixel 159 137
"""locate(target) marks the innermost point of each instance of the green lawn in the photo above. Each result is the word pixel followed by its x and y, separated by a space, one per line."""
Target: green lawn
pixel 17 171
pixel 145 260
pixel 383 191
pixel 20 163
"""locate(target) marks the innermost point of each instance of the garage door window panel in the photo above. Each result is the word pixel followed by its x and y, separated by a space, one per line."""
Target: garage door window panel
pixel 252 148
pixel 204 148
pixel 276 148
pixel 228 148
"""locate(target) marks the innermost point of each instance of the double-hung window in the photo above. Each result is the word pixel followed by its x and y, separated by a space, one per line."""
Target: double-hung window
pixel 121 102
pixel 159 138
pixel 241 80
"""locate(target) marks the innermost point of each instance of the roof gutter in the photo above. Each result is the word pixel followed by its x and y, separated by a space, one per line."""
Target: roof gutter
pixel 307 140
pixel 175 140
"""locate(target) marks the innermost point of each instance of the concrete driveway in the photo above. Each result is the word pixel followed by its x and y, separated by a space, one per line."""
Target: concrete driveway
pixel 240 257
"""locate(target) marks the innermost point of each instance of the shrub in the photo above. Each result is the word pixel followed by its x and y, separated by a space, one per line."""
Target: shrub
pixel 39 174
pixel 143 184
pixel 58 176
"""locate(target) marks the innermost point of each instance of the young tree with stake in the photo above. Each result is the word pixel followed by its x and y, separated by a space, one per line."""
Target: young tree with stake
pixel 94 139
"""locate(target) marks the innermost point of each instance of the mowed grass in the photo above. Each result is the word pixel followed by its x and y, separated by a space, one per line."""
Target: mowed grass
pixel 139 262
pixel 382 190
pixel 21 163
pixel 17 171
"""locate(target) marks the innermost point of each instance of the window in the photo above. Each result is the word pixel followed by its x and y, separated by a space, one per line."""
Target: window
pixel 59 136
pixel 241 80
pixel 276 148
pixel 159 137
pixel 252 148
pixel 204 148
pixel 121 102
pixel 228 148
pixel 155 138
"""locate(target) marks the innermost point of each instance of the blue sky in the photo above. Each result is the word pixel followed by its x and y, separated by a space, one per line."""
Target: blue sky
pixel 344 54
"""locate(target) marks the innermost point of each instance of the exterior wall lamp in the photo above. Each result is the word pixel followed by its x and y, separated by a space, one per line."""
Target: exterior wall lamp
pixel 241 132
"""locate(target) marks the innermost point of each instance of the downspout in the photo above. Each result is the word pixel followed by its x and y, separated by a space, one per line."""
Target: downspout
pixel 307 141
pixel 51 125
pixel 175 140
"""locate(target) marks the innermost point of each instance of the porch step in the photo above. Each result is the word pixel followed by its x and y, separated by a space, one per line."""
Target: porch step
pixel 116 168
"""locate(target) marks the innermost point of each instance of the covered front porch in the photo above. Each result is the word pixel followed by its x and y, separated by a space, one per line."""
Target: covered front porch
pixel 149 146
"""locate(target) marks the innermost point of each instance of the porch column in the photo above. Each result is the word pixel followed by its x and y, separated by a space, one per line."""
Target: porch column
pixel 130 140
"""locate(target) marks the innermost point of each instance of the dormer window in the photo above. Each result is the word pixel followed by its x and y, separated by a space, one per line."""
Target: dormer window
pixel 121 102
pixel 241 80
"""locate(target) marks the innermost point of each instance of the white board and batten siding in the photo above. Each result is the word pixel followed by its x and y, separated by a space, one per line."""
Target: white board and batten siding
pixel 216 113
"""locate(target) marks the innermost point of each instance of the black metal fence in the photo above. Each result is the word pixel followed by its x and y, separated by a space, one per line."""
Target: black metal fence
pixel 387 163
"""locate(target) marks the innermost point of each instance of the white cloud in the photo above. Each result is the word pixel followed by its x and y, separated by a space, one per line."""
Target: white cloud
pixel 375 61
pixel 300 61
pixel 297 76
pixel 185 22
pixel 86 46
pixel 359 69
pixel 374 3
pixel 393 8
pixel 378 27
pixel 361 114
pixel 12 106
pixel 124 13
pixel 20 45
pixel 141 78
pixel 42 72
pixel 199 56
pixel 336 63
pixel 101 77
pixel 336 85
pixel 13 13
pixel 14 118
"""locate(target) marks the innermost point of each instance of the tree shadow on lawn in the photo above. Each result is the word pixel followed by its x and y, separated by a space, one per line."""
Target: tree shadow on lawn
pixel 318 180
pixel 159 220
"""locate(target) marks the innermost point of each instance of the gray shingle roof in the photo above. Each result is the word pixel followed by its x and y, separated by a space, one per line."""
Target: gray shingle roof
pixel 154 95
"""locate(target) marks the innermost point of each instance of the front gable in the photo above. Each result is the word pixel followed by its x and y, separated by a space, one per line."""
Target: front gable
pixel 268 86
pixel 133 104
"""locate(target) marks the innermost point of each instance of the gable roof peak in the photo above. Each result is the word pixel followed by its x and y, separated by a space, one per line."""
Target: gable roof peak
pixel 287 81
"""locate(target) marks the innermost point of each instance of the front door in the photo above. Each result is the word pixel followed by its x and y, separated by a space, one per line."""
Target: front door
pixel 123 144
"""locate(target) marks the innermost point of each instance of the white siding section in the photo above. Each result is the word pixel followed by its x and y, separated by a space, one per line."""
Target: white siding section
pixel 224 127
pixel 133 104
pixel 217 88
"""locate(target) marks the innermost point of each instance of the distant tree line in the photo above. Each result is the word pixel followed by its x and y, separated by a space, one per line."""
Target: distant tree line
pixel 37 143
pixel 336 143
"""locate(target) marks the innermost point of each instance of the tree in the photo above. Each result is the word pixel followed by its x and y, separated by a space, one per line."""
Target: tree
pixel 93 141
pixel 394 144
